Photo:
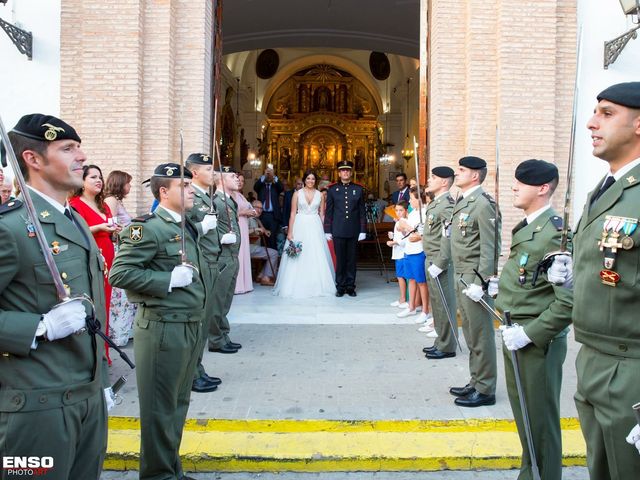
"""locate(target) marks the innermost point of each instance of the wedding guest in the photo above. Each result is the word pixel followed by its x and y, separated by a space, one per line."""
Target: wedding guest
pixel 121 311
pixel 5 192
pixel 397 243
pixel 268 189
pixel 88 201
pixel 244 283
pixel 268 273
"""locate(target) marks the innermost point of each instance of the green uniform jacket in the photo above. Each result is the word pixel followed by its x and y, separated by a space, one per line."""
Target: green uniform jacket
pixel 27 291
pixel 226 224
pixel 150 249
pixel 544 310
pixel 604 317
pixel 437 246
pixel 473 234
pixel 209 243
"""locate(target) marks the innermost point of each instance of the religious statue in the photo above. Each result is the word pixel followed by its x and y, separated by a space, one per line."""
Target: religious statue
pixel 359 160
pixel 322 155
pixel 285 159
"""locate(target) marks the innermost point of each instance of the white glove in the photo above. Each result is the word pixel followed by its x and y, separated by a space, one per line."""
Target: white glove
pixel 474 292
pixel 228 238
pixel 514 337
pixel 634 437
pixel 561 271
pixel 64 320
pixel 420 229
pixel 328 236
pixel 209 222
pixel 434 270
pixel 492 289
pixel 181 276
pixel 109 398
pixel 362 236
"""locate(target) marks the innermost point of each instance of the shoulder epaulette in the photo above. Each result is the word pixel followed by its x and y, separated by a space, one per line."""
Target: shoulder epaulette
pixel 557 222
pixel 11 205
pixel 143 218
pixel 488 197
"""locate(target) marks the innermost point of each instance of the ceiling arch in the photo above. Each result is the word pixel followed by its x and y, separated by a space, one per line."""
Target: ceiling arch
pixel 390 26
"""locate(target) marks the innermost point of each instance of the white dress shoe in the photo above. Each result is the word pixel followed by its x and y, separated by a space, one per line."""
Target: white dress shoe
pixel 406 313
pixel 426 328
pixel 424 317
pixel 397 304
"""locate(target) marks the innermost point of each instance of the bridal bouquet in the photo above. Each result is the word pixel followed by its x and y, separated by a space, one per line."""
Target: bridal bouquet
pixel 293 249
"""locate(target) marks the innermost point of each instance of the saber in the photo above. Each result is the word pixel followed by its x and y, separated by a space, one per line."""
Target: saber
pixel 496 225
pixel 93 324
pixel 523 405
pixel 216 55
pixel 183 219
pixel 485 305
pixel 636 411
pixel 415 158
pixel 454 326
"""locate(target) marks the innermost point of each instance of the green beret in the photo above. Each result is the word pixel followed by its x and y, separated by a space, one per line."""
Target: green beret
pixel 345 165
pixel 536 172
pixel 443 172
pixel 170 170
pixel 199 159
pixel 475 163
pixel 625 94
pixel 45 128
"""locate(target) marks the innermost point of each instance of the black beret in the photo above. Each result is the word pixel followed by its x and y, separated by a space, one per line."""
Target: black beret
pixel 625 94
pixel 228 169
pixel 474 163
pixel 536 172
pixel 46 128
pixel 344 164
pixel 170 170
pixel 199 159
pixel 443 172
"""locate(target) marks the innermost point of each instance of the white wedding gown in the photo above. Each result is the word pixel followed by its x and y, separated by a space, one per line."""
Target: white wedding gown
pixel 311 273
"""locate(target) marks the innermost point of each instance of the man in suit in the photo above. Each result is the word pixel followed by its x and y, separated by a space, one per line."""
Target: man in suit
pixel 472 250
pixel 171 299
pixel 53 372
pixel 605 279
pixel 268 189
pixel 201 167
pixel 402 194
pixel 286 207
pixel 345 222
pixel 541 312
pixel 228 265
pixel 437 247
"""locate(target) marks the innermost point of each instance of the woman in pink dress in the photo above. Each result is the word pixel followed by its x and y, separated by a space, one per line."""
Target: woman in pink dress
pixel 244 283
pixel 89 203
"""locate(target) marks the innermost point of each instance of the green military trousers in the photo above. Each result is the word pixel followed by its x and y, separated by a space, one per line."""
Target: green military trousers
pixel 165 349
pixel 222 297
pixel 73 435
pixel 210 276
pixel 607 388
pixel 446 342
pixel 541 376
pixel 479 335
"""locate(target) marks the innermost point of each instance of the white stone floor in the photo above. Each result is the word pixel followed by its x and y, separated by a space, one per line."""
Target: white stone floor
pixel 334 358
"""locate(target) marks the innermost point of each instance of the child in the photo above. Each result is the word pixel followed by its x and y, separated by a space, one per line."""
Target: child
pixel 397 243
pixel 414 260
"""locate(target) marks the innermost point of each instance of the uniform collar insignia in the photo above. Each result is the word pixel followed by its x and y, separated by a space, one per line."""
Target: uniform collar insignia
pixel 44 214
pixel 631 179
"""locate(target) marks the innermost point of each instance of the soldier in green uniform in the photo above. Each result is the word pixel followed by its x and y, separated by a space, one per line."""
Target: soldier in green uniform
pixel 473 254
pixel 171 299
pixel 437 247
pixel 229 233
pixel 541 312
pixel 606 289
pixel 201 167
pixel 51 376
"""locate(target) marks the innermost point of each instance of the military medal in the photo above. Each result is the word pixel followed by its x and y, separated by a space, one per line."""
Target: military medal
pixel 55 247
pixel 430 219
pixel 31 230
pixel 609 277
pixel 462 223
pixel 522 277
pixel 629 227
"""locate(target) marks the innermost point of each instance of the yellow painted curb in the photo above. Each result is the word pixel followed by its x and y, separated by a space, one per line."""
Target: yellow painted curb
pixel 325 445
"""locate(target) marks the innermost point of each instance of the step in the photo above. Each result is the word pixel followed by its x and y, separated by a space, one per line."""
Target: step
pixel 341 446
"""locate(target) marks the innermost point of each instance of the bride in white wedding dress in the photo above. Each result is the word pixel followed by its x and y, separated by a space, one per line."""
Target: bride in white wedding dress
pixel 311 273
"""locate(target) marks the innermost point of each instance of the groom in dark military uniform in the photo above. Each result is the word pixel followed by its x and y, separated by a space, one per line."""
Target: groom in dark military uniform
pixel 345 222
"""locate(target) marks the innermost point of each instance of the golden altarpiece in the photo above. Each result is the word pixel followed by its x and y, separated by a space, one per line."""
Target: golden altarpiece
pixel 318 117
